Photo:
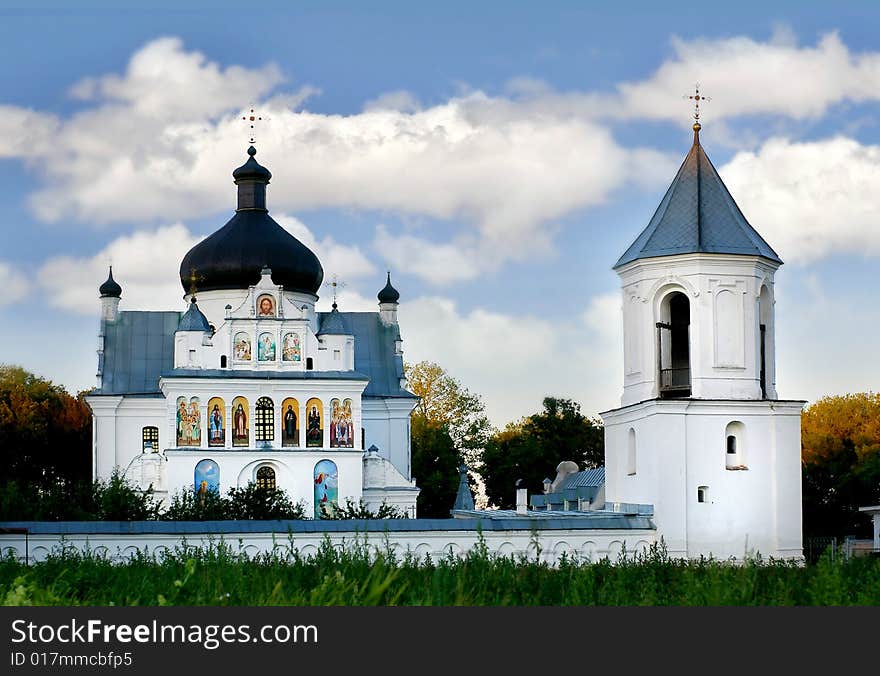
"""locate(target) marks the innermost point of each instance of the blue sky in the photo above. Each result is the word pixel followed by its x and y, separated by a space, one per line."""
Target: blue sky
pixel 497 158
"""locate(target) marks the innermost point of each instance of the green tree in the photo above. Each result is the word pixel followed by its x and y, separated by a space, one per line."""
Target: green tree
pixel 435 463
pixel 45 433
pixel 445 402
pixel 532 448
pixel 840 439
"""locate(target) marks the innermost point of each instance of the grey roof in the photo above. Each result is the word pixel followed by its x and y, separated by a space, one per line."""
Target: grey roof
pixel 586 478
pixel 333 324
pixel 464 499
pixel 466 520
pixel 697 215
pixel 193 319
pixel 139 348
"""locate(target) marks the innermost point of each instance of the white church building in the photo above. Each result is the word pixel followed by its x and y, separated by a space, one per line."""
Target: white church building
pixel 251 383
pixel 700 433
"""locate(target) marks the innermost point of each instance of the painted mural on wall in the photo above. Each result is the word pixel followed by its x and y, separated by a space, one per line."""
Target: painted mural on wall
pixel 314 423
pixel 216 422
pixel 266 347
pixel 326 488
pixel 242 346
pixel 341 424
pixel 266 306
pixel 291 349
pixel 240 421
pixel 207 477
pixel 290 422
pixel 189 422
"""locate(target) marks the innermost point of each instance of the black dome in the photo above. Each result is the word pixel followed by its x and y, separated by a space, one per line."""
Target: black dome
pixel 389 294
pixel 233 257
pixel 110 288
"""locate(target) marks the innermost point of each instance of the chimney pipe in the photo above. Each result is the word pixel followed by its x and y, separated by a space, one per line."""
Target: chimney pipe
pixel 522 498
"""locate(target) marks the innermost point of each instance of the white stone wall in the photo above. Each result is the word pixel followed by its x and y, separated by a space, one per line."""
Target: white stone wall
pixel 586 545
pixel 724 293
pixel 681 446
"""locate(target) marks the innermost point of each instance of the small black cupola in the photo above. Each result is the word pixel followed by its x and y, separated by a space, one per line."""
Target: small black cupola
pixel 110 289
pixel 389 294
pixel 251 179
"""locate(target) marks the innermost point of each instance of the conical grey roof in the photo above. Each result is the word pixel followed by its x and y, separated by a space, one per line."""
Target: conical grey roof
pixel 334 324
pixel 697 215
pixel 193 319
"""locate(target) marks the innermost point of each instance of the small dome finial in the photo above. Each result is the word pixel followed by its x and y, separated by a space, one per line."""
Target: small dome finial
pixel 110 288
pixel 389 294
pixel 251 151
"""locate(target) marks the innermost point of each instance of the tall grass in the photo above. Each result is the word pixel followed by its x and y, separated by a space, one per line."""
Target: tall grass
pixel 221 576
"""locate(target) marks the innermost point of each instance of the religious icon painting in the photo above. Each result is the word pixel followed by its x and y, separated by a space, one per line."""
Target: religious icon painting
pixel 326 489
pixel 216 422
pixel 291 347
pixel 265 306
pixel 290 422
pixel 240 429
pixel 189 422
pixel 207 477
pixel 266 347
pixel 314 423
pixel 242 346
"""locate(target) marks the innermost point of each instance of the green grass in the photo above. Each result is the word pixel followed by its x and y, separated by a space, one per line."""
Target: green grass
pixel 219 576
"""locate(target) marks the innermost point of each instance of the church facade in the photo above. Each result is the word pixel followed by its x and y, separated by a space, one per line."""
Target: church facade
pixel 251 384
pixel 700 433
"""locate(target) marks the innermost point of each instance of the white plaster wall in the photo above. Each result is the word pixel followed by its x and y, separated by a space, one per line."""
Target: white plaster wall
pixel 119 423
pixel 681 446
pixel 724 330
pixel 386 425
pixel 585 545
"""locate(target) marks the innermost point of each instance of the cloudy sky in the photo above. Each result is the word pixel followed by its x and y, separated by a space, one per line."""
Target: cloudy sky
pixel 498 159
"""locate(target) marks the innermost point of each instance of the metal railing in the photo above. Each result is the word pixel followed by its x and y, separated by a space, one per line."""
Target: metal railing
pixel 675 379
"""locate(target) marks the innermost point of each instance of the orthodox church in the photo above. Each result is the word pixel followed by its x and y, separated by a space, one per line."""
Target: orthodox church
pixel 251 383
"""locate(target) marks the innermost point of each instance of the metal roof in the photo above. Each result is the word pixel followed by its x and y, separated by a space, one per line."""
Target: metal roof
pixel 333 324
pixel 193 319
pixel 139 349
pixel 697 215
pixel 588 477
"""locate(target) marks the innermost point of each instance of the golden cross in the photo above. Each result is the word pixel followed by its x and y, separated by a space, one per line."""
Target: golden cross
pixel 193 279
pixel 696 97
pixel 335 285
pixel 252 118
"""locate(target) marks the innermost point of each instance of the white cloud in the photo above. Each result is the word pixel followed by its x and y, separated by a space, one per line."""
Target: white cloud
pixel 146 264
pixel 13 284
pixel 158 142
pixel 515 361
pixel 345 260
pixel 810 200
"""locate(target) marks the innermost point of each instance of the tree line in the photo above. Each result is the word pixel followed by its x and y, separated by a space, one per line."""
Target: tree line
pixel 45 448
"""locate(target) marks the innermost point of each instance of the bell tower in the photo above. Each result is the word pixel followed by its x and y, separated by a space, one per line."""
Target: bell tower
pixel 701 433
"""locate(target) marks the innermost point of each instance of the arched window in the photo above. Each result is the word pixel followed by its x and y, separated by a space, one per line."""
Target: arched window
pixel 766 346
pixel 631 452
pixel 734 456
pixel 266 477
pixel 264 420
pixel 673 344
pixel 222 361
pixel 310 364
pixel 702 494
pixel 150 439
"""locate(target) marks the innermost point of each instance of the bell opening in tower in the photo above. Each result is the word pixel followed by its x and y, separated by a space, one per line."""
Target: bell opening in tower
pixel 673 347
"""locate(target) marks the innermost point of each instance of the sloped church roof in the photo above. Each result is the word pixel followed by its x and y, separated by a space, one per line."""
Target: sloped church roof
pixel 697 215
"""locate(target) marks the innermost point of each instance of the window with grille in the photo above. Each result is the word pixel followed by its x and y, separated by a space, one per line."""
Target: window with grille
pixel 265 477
pixel 150 439
pixel 264 420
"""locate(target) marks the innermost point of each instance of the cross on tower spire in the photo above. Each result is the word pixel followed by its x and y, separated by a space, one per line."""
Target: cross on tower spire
pixel 696 97
pixel 251 118
pixel 194 278
pixel 335 285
